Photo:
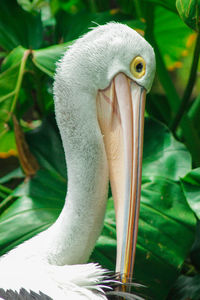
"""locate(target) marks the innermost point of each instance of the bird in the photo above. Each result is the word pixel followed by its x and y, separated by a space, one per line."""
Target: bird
pixel 100 87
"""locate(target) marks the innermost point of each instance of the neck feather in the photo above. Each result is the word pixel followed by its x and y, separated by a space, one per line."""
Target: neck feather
pixel 73 236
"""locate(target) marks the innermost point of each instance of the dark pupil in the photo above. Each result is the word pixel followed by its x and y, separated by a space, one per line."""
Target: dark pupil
pixel 139 67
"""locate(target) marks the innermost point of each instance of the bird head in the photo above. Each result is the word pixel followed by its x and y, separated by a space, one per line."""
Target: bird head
pixel 115 66
pixel 129 69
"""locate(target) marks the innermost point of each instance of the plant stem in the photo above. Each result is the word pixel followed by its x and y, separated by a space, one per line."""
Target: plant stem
pixel 19 80
pixel 5 202
pixel 189 87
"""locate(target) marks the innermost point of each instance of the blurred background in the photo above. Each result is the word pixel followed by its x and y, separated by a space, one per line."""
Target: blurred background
pixel 33 37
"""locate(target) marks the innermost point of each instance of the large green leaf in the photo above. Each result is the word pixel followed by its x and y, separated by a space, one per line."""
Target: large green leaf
pixel 166 227
pixel 191 187
pixel 163 155
pixel 166 232
pixel 45 59
pixel 170 53
pixel 18 27
pixel 173 38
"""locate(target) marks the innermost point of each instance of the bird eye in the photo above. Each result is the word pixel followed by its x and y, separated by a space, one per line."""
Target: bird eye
pixel 138 67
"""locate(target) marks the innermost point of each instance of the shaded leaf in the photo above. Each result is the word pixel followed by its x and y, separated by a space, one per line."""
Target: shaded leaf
pixel 195 250
pixel 22 28
pixel 189 12
pixel 169 4
pixel 186 288
pixel 16 173
pixel 70 27
pixel 166 233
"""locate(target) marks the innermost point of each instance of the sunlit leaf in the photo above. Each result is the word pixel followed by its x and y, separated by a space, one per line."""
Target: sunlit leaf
pixel 45 59
pixel 172 39
pixel 7 143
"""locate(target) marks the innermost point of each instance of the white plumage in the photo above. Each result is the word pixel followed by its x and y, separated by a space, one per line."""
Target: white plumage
pixel 50 262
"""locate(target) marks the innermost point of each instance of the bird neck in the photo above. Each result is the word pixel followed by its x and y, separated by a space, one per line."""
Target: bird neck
pixel 73 236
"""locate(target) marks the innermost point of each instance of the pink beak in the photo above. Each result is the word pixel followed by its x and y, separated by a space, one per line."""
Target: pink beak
pixel 120 110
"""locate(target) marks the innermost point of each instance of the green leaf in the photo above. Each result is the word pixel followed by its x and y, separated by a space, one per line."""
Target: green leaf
pixel 13 58
pixel 162 153
pixel 16 173
pixel 166 232
pixel 194 112
pixel 169 4
pixel 173 38
pixel 7 143
pixel 191 187
pixel 45 59
pixel 166 226
pixel 186 288
pixel 10 84
pixel 32 6
pixel 189 12
pixel 70 27
pixel 189 132
pixel 18 27
pixel 30 203
pixel 195 250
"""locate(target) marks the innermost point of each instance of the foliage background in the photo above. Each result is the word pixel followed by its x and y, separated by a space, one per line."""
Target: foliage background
pixel 33 36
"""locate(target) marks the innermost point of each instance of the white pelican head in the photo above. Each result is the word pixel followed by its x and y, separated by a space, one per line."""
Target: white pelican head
pixel 100 89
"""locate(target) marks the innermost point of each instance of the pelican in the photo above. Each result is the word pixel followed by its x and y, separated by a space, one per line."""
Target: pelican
pixel 99 93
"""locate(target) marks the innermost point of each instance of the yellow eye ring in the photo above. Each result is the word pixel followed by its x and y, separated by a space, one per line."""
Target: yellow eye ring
pixel 138 67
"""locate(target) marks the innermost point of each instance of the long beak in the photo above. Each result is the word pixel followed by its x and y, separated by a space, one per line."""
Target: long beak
pixel 120 110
